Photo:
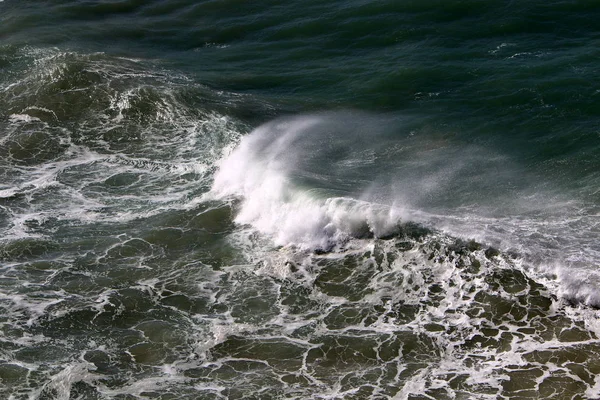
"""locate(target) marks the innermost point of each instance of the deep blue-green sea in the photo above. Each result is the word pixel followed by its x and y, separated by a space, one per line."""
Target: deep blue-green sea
pixel 352 199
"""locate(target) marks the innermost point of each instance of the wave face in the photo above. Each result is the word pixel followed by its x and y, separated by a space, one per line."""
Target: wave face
pixel 314 181
pixel 299 200
pixel 301 180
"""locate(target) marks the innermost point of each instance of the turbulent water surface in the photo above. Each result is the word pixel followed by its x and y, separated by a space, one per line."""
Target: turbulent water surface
pixel 290 200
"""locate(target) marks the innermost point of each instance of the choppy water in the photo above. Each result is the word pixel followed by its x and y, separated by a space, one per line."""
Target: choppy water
pixel 340 200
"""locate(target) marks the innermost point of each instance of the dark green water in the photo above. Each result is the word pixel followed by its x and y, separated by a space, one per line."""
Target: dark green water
pixel 267 200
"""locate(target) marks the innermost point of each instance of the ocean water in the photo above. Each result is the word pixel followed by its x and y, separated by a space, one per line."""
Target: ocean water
pixel 299 200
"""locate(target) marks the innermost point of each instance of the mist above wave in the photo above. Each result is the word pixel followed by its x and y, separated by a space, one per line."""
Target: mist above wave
pixel 313 179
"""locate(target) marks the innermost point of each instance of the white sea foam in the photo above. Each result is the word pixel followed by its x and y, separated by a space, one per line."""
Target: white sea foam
pixel 60 385
pixel 270 168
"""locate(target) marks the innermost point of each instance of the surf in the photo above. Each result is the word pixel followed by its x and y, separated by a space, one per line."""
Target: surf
pixel 315 181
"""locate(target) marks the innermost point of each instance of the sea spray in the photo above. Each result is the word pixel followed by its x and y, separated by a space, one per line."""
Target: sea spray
pixel 314 181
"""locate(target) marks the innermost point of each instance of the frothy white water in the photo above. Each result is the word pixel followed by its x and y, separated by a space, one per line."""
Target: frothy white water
pixel 315 181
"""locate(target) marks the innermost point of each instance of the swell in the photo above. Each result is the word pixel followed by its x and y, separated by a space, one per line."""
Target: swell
pixel 316 181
